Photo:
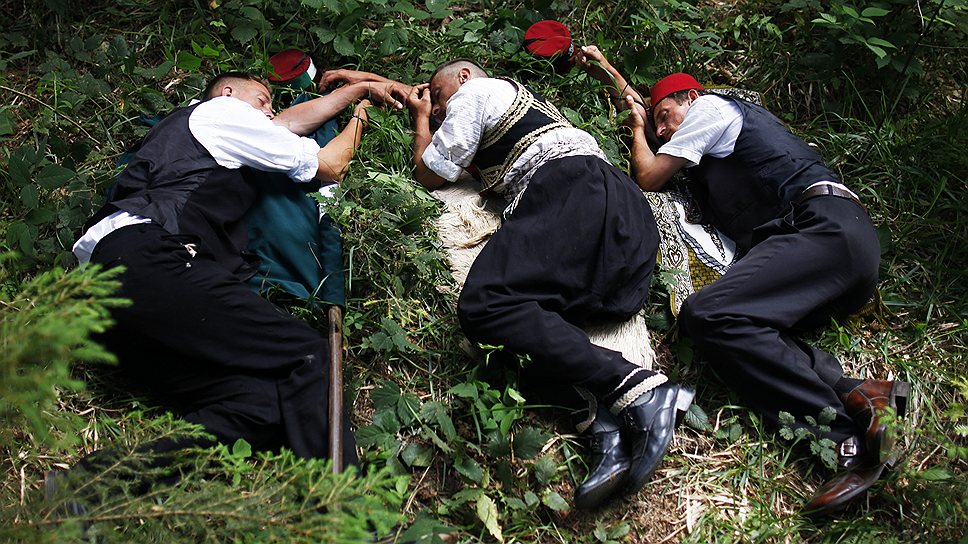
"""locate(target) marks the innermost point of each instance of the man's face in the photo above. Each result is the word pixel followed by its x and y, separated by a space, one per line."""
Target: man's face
pixel 442 88
pixel 668 115
pixel 251 92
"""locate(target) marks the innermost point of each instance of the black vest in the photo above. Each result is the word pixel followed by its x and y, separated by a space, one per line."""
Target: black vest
pixel 175 182
pixel 757 182
pixel 529 117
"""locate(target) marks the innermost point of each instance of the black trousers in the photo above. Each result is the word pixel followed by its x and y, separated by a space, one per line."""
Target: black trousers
pixel 215 352
pixel 579 248
pixel 818 262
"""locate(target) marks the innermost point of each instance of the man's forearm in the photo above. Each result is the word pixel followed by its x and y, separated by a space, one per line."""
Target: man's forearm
pixel 421 140
pixel 305 117
pixel 335 157
pixel 649 170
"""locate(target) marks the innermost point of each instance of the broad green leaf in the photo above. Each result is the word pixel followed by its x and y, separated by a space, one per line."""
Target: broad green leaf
pixel 241 449
pixel 531 499
pixel 529 441
pixel 934 474
pixel 696 418
pixel 54 176
pixel 325 34
pixel 487 513
pixel 386 395
pixel 17 232
pixel 416 455
pixel 874 12
pixel 881 42
pixel 6 122
pixel 545 470
pixel 29 197
pixel 470 469
pixel 877 50
pixel 437 412
pixel 344 46
pixel 244 33
pixel 553 500
pixel 464 390
pixel 41 216
pixel 187 61
pixel 408 405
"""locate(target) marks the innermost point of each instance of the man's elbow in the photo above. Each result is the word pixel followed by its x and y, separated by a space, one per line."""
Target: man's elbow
pixel 429 180
pixel 650 183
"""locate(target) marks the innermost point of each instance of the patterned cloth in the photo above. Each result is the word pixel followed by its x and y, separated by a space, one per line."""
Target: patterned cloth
pixel 697 251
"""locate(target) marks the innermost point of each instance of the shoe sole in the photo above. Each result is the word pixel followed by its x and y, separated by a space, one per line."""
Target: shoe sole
pixel 684 398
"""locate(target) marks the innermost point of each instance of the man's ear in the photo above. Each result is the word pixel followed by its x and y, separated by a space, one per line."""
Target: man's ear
pixel 464 74
pixel 693 94
pixel 226 91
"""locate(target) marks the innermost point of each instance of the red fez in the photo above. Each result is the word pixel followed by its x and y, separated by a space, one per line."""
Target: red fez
pixel 672 84
pixel 292 66
pixel 548 39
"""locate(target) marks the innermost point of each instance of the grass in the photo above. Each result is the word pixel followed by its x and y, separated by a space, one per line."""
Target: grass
pixel 464 459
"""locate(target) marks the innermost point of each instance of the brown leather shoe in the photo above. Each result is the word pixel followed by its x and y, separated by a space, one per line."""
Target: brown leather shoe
pixel 841 489
pixel 867 403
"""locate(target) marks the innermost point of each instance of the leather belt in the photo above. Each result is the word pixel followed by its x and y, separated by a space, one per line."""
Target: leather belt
pixel 825 189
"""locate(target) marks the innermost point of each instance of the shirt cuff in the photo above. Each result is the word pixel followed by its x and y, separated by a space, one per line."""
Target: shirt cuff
pixel 680 152
pixel 307 161
pixel 444 168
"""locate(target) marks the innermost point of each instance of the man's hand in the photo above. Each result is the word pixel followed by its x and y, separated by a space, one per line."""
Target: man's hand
pixel 387 93
pixel 590 59
pixel 418 101
pixel 636 117
pixel 332 78
pixel 359 111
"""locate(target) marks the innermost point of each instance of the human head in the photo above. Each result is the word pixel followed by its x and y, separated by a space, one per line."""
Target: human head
pixel 671 98
pixel 446 79
pixel 249 88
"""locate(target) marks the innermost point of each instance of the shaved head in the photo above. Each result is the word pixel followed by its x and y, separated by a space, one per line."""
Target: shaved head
pixel 451 68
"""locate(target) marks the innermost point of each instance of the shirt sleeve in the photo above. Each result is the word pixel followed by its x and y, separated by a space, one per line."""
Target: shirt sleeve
pixel 236 134
pixel 710 127
pixel 456 141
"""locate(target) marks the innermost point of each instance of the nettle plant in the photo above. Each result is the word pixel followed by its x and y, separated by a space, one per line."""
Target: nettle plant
pixel 506 469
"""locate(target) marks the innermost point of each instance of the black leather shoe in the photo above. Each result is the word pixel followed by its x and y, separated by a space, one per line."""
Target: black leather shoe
pixel 867 403
pixel 609 466
pixel 841 489
pixel 649 424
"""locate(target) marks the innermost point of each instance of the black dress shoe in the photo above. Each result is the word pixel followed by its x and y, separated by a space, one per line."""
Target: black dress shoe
pixel 867 403
pixel 841 489
pixel 649 424
pixel 609 465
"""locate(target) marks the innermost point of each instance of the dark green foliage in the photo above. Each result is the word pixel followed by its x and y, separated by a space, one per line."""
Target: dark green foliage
pixel 454 452
pixel 45 327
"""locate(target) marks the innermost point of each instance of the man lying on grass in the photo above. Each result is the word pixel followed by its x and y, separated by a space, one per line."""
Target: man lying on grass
pixel 196 336
pixel 808 253
pixel 577 246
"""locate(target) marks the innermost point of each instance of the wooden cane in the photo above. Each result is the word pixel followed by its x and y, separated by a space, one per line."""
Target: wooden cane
pixel 335 315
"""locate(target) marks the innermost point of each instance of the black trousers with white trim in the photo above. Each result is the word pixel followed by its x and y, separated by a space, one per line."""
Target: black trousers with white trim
pixel 579 248
pixel 212 350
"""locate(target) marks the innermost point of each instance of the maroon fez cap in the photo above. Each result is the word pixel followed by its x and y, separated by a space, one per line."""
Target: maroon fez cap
pixel 290 65
pixel 672 84
pixel 548 39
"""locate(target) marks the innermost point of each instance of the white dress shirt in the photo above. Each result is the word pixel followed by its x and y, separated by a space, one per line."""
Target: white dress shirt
pixel 477 106
pixel 236 135
pixel 711 127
